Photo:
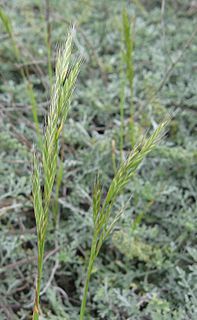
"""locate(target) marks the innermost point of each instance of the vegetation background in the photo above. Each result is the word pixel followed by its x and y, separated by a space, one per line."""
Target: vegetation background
pixel 147 270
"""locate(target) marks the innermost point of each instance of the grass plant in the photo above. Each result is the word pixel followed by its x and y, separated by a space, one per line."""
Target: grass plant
pixel 65 78
pixel 147 268
pixel 104 222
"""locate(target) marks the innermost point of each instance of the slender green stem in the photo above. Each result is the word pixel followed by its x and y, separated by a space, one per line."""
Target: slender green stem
pixel 48 41
pixel 128 58
pixel 39 279
pixel 122 100
pixel 83 305
pixel 114 156
pixel 89 271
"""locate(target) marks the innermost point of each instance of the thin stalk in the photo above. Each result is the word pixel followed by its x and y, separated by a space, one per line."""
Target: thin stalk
pixel 48 40
pixel 36 308
pixel 128 59
pixel 122 101
pixel 41 245
pixel 113 145
pixel 88 275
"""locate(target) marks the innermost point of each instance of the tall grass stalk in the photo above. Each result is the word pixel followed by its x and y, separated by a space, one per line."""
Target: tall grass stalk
pixel 47 37
pixel 113 145
pixel 102 212
pixel 65 79
pixel 128 61
pixel 122 103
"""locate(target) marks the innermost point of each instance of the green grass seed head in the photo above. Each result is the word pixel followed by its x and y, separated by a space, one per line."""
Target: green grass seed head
pixel 62 90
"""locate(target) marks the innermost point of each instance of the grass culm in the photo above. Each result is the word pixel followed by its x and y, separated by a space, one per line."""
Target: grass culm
pixel 45 168
pixel 104 220
pixel 65 79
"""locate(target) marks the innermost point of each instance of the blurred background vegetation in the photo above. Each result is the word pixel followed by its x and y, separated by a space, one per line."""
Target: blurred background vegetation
pixel 147 270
